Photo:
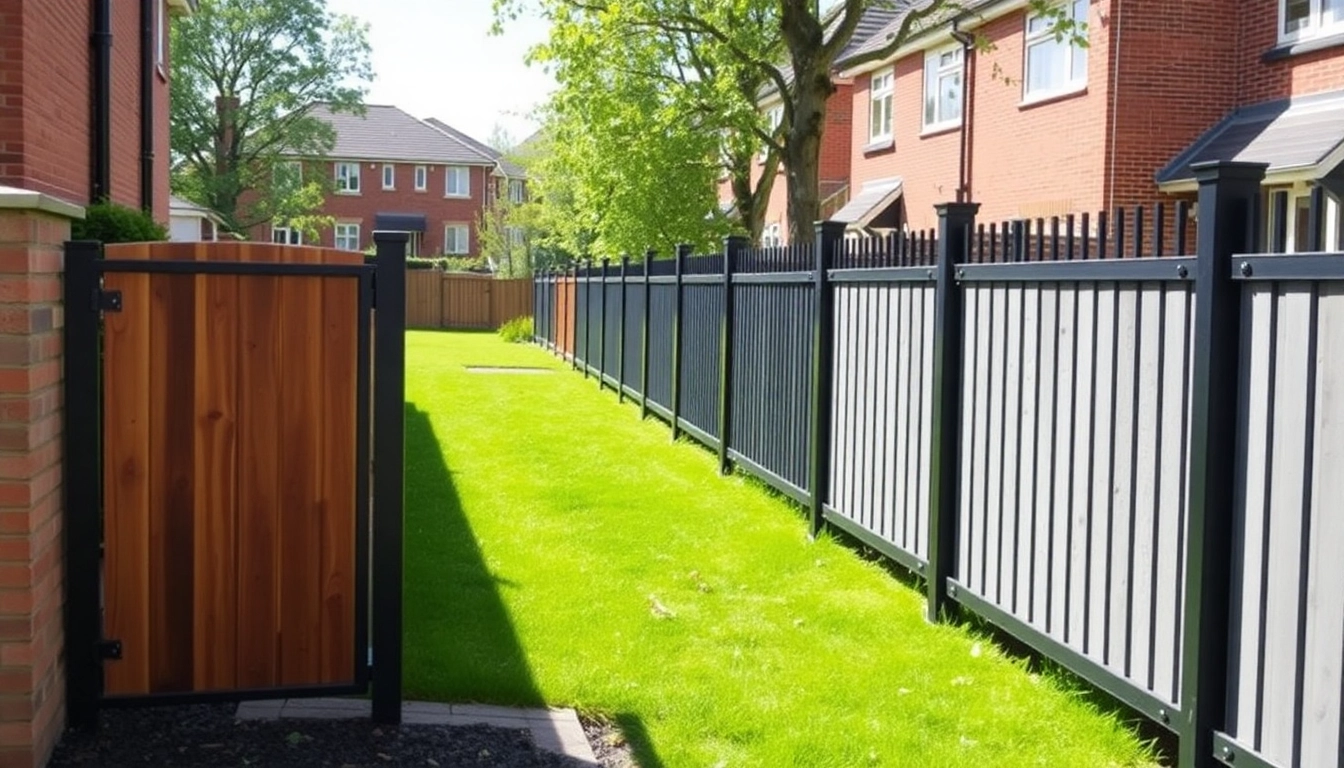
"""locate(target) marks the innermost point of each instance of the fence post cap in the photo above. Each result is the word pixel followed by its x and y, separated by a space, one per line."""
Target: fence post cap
pixel 955 209
pixel 831 228
pixel 1218 170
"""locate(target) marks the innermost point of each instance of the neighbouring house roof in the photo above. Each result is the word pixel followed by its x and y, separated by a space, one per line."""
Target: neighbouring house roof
pixel 388 133
pixel 1304 134
pixel 178 206
pixel 873 200
pixel 506 167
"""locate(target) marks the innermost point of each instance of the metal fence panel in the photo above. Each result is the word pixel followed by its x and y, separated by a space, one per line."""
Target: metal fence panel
pixel 633 347
pixel 1072 475
pixel 701 318
pixel 1288 618
pixel 772 369
pixel 581 311
pixel 662 309
pixel 611 329
pixel 882 416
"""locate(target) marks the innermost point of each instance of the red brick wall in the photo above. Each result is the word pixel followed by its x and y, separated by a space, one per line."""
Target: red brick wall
pixel 32 686
pixel 373 199
pixel 45 98
pixel 1295 76
pixel 1027 160
pixel 835 134
pixel 1172 87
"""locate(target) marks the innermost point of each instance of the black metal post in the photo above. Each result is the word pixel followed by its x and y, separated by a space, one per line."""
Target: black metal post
pixel 830 239
pixel 956 221
pixel 601 366
pixel 574 318
pixel 683 253
pixel 620 334
pixel 389 450
pixel 644 343
pixel 83 499
pixel 732 246
pixel 587 316
pixel 1019 240
pixel 1229 212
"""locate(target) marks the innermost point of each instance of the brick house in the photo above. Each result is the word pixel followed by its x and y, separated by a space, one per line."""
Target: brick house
pixel 1050 128
pixel 83 117
pixel 392 171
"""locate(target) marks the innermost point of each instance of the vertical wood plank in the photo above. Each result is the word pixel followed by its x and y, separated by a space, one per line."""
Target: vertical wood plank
pixel 172 481
pixel 259 381
pixel 340 308
pixel 301 436
pixel 215 608
pixel 1066 338
pixel 126 461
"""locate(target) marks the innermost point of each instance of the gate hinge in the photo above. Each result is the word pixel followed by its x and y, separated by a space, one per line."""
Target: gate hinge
pixel 109 649
pixel 107 301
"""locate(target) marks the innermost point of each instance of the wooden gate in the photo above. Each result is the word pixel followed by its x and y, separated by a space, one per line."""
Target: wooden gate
pixel 235 389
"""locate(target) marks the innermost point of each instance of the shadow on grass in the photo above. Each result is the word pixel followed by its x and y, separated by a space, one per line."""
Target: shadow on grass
pixel 461 645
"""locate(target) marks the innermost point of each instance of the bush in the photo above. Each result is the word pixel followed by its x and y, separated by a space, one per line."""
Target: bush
pixel 517 331
pixel 112 223
pixel 416 262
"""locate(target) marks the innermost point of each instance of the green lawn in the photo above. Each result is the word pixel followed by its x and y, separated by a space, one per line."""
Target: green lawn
pixel 560 551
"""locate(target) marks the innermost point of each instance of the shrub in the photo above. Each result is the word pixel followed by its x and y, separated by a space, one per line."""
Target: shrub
pixel 518 330
pixel 112 223
pixel 419 263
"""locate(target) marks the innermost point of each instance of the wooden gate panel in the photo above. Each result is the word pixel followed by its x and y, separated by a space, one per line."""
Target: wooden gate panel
pixel 340 342
pixel 126 484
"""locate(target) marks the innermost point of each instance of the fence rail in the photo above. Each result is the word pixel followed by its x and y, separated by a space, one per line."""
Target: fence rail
pixel 1114 436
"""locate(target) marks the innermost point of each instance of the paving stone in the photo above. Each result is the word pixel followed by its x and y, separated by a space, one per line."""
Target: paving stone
pixel 490 710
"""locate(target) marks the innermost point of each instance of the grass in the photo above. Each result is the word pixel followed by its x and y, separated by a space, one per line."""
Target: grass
pixel 561 551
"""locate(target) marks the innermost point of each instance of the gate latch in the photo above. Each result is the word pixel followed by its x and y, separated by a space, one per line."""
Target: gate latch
pixel 109 649
pixel 108 301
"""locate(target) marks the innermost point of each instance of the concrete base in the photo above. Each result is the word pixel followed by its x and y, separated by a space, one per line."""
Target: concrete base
pixel 555 730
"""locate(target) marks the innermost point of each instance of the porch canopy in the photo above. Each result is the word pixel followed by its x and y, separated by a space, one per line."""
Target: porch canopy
pixel 874 206
pixel 1301 139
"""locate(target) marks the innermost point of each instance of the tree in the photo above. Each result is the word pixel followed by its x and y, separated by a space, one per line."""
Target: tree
pixel 245 73
pixel 799 66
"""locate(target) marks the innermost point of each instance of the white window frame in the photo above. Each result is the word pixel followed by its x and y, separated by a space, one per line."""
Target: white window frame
pixel 1046 37
pixel 459 249
pixel 774 116
pixel 161 11
pixel 513 236
pixel 351 232
pixel 421 178
pixel 517 192
pixel 772 235
pixel 1299 193
pixel 344 185
pixel 1324 17
pixel 286 235
pixel 453 171
pixel 389 169
pixel 934 73
pixel 882 101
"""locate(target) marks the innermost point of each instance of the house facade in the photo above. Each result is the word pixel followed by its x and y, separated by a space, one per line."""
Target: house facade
pixel 994 107
pixel 83 117
pixel 391 171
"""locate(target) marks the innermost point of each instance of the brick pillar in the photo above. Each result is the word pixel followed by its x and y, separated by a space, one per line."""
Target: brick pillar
pixel 33 228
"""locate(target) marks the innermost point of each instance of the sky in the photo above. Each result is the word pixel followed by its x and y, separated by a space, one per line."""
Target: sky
pixel 437 58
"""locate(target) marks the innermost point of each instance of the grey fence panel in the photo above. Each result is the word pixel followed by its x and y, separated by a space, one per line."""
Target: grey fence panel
pixel 772 378
pixel 1288 616
pixel 881 418
pixel 1073 484
pixel 662 308
pixel 581 311
pixel 634 335
pixel 701 332
pixel 611 329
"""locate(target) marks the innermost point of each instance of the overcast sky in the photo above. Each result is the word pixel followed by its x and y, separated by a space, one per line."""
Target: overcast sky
pixel 437 58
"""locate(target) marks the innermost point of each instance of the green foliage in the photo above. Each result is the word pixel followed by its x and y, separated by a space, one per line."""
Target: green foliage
pixel 277 59
pixel 517 331
pixel 113 223
pixel 416 262
pixel 561 551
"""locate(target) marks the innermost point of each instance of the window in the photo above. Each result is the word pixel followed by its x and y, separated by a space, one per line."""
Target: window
pixel 421 178
pixel 389 176
pixel 347 237
pixel 457 181
pixel 879 105
pixel 456 239
pixel 514 236
pixel 285 235
pixel 347 178
pixel 942 88
pixel 1301 19
pixel 770 236
pixel 773 118
pixel 1055 63
pixel 1297 232
pixel 516 191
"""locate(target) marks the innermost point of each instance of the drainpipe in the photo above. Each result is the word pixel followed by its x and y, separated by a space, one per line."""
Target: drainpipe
pixel 967 41
pixel 101 122
pixel 148 65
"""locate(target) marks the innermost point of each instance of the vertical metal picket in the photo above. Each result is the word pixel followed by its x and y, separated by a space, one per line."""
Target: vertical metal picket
pixel 620 333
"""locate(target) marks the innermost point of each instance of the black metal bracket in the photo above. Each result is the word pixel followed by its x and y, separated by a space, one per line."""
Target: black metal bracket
pixel 109 649
pixel 107 301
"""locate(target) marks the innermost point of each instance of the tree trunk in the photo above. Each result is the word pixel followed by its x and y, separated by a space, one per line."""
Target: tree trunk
pixel 802 160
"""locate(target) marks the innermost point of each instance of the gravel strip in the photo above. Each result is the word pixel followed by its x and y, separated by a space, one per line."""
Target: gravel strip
pixel 202 736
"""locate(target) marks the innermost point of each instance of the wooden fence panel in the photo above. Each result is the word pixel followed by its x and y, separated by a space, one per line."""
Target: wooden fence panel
pixel 509 299
pixel 424 298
